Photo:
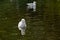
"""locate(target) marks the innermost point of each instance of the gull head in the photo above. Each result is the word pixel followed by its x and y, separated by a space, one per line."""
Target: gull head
pixel 34 1
pixel 23 20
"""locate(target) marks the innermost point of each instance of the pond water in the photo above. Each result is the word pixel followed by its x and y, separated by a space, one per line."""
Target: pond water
pixel 41 25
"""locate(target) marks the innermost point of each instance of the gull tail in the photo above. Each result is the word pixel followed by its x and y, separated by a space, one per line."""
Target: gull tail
pixel 22 32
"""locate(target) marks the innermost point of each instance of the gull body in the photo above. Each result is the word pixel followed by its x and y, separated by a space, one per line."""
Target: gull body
pixel 32 5
pixel 22 26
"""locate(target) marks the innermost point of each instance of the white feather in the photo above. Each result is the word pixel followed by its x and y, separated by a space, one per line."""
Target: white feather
pixel 22 26
pixel 32 5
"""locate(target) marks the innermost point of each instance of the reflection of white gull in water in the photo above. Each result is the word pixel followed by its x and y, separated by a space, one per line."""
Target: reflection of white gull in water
pixel 22 26
pixel 31 6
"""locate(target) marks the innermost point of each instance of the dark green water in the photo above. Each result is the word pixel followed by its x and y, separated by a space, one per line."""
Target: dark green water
pixel 44 24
